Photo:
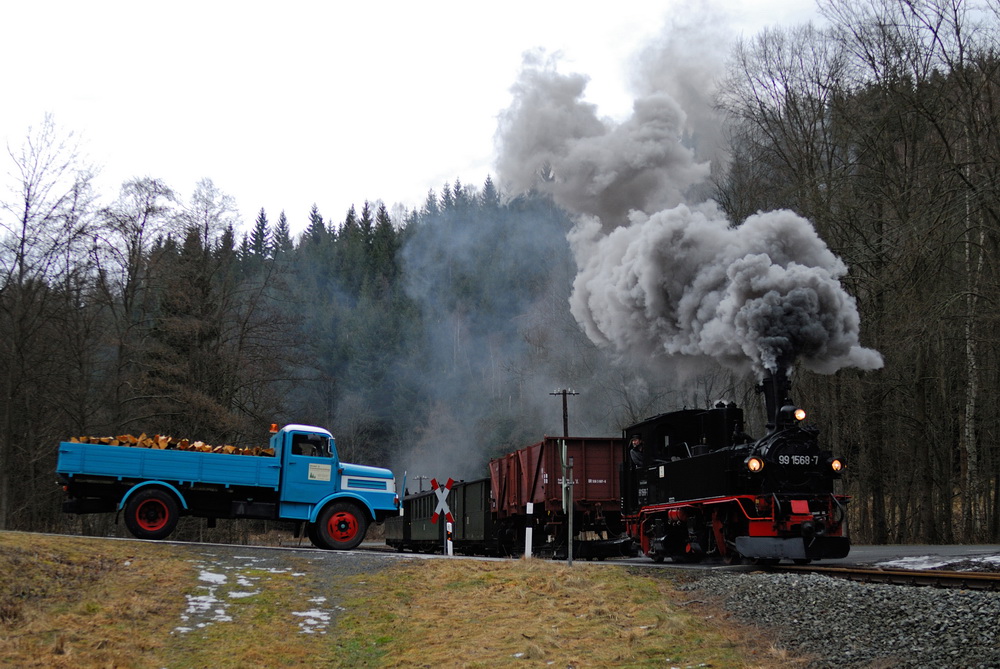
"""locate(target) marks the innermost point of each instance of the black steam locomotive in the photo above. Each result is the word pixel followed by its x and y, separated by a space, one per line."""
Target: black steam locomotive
pixel 701 486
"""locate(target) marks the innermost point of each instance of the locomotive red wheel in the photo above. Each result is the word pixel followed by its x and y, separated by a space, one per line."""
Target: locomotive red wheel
pixel 341 526
pixel 151 514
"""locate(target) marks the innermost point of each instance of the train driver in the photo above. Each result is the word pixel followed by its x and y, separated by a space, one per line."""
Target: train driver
pixel 636 452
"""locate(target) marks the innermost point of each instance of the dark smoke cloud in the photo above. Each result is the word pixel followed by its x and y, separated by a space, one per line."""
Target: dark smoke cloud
pixel 682 281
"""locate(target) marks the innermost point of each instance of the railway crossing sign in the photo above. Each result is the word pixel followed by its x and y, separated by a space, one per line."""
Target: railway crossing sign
pixel 442 505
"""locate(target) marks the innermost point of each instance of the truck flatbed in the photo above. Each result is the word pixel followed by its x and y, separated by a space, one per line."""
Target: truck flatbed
pixel 124 462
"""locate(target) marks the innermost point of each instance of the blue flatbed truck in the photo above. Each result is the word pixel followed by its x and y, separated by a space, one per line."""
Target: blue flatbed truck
pixel 304 482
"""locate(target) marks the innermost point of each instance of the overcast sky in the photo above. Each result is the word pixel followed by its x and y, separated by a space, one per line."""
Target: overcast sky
pixel 287 104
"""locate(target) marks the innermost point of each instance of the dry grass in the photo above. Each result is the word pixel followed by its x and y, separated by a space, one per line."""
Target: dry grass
pixel 78 602
pixel 81 602
pixel 535 613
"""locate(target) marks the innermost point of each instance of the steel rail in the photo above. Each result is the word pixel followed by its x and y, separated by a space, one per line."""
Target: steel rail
pixel 968 580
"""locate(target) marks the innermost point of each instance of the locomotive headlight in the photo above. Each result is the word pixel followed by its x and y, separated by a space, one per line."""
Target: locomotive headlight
pixel 754 463
pixel 789 415
pixel 837 465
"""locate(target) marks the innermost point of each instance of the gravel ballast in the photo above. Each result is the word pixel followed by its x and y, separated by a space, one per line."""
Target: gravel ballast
pixel 844 623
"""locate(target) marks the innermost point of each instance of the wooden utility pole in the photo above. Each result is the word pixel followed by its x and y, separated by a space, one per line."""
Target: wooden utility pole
pixel 567 467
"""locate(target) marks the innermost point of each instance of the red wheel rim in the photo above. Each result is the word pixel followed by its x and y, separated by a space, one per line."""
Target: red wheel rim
pixel 152 515
pixel 343 526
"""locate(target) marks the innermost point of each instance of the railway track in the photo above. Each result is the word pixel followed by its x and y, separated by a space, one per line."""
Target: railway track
pixel 925 577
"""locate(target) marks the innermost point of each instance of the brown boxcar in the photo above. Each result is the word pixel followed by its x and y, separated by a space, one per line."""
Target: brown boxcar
pixel 491 515
pixel 535 474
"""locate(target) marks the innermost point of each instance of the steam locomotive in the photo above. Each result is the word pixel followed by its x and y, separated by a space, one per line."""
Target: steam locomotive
pixel 700 487
pixel 706 488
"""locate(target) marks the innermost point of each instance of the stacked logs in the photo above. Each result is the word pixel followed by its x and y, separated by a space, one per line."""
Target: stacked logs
pixel 163 442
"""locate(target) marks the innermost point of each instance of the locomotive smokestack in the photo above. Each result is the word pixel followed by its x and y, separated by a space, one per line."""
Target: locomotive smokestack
pixel 776 388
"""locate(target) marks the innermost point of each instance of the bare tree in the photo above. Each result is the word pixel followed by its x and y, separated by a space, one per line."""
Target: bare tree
pixel 883 130
pixel 127 280
pixel 44 226
pixel 946 50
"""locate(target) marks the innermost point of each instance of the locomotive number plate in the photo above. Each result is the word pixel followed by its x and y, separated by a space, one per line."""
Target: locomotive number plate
pixel 798 459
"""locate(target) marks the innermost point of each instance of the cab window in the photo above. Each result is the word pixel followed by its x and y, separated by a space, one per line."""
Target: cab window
pixel 311 445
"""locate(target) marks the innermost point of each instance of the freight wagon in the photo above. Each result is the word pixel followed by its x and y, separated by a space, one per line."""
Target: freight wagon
pixel 492 514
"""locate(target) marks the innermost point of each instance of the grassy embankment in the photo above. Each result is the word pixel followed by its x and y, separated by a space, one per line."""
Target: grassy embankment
pixel 83 602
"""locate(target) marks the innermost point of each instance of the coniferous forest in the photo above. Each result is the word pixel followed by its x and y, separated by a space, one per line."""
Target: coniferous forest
pixel 433 339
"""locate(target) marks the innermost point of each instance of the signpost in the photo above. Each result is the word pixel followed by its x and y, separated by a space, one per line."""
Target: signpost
pixel 567 490
pixel 443 509
pixel 529 529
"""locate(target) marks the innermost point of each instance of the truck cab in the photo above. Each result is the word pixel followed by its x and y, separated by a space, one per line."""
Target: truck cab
pixel 337 499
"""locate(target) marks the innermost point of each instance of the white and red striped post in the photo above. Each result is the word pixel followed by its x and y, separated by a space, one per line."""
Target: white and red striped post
pixel 528 529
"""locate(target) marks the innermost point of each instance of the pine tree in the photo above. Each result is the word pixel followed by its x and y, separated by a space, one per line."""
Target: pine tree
pixel 351 252
pixel 316 232
pixel 350 230
pixel 460 196
pixel 260 237
pixel 281 241
pixel 490 197
pixel 366 224
pixel 244 252
pixel 384 245
pixel 431 207
pixel 447 199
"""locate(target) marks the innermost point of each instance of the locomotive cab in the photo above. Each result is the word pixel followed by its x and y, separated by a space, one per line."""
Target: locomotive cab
pixel 678 449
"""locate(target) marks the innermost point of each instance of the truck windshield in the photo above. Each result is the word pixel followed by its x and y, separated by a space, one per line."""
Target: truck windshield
pixel 313 445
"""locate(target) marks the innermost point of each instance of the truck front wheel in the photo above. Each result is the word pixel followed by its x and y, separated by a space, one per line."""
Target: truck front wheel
pixel 151 514
pixel 341 526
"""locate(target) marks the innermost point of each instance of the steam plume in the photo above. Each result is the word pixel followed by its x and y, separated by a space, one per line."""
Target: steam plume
pixel 682 281
pixel 590 165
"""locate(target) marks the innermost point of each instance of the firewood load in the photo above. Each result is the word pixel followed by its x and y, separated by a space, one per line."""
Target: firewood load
pixel 163 442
